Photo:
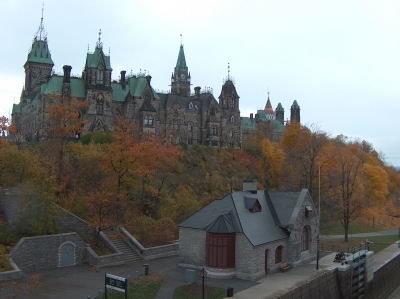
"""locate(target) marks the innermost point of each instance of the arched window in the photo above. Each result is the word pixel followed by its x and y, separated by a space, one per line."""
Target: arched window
pixel 278 254
pixel 175 112
pixel 304 239
pixel 232 119
pixel 232 102
pixel 99 104
pixel 100 73
pixel 214 130
pixel 177 140
pixel 190 141
pixel 190 127
pixel 230 133
pixel 190 105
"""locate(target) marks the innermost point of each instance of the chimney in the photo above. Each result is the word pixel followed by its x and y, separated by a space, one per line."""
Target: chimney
pixel 251 116
pixel 148 78
pixel 123 79
pixel 256 116
pixel 250 185
pixel 67 73
pixel 197 91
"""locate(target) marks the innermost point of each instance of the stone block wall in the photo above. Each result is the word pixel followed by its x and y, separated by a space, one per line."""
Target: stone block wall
pixel 324 286
pixel 192 251
pixel 386 279
pixel 69 221
pixel 43 252
pixel 14 274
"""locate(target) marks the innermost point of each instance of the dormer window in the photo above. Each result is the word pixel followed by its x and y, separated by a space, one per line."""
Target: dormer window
pixel 232 119
pixel 148 121
pixel 252 204
pixel 308 211
pixel 147 98
pixel 190 105
pixel 232 102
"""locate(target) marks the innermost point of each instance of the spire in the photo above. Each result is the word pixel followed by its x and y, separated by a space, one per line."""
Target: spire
pixel 41 33
pixel 99 44
pixel 181 62
pixel 229 77
pixel 268 108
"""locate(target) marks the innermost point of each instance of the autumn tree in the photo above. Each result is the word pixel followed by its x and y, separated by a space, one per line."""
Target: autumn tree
pixel 304 152
pixel 63 122
pixel 274 158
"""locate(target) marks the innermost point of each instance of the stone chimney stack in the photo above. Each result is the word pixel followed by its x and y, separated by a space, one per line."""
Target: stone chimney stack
pixel 197 91
pixel 251 116
pixel 67 73
pixel 148 78
pixel 250 185
pixel 123 79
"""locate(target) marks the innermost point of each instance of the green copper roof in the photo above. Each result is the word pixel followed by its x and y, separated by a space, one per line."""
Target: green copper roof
pixel 181 62
pixel 279 107
pixel 247 123
pixel 40 52
pixel 93 59
pixel 55 85
pixel 295 105
pixel 135 86
pixel 16 108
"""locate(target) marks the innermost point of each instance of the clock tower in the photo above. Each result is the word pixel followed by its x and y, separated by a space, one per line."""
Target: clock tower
pixel 180 80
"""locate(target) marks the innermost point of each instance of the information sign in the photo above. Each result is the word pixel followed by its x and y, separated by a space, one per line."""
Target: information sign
pixel 116 283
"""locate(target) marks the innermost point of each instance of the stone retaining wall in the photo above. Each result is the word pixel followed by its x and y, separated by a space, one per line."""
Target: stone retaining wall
pixel 12 274
pixel 69 221
pixel 152 252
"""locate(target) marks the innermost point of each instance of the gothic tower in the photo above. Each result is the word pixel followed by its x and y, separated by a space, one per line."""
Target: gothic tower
pixel 229 98
pixel 280 113
pixel 180 80
pixel 39 64
pixel 295 112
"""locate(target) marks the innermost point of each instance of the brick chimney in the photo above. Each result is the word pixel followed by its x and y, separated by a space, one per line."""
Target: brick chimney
pixel 250 185
pixel 123 79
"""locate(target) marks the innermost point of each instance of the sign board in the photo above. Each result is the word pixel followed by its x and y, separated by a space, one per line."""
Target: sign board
pixel 116 283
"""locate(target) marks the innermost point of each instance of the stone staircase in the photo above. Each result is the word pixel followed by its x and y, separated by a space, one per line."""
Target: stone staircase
pixel 130 255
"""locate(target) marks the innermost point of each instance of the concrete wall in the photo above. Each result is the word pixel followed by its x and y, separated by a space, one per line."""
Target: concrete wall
pixel 43 252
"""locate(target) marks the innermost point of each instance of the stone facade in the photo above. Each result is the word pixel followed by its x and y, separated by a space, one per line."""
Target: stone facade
pixel 291 234
pixel 43 252
pixel 178 115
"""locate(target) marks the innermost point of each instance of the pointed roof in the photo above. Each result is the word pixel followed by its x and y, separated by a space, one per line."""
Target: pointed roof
pixel 268 107
pixel 295 105
pixel 279 107
pixel 39 51
pixel 181 62
pixel 93 59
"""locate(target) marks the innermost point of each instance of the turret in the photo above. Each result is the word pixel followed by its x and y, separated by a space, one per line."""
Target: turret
pixel 295 112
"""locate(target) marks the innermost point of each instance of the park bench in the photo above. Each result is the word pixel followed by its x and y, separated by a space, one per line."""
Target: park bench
pixel 285 266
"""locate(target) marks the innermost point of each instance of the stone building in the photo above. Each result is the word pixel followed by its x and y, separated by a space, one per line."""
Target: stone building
pixel 179 115
pixel 249 233
pixel 271 123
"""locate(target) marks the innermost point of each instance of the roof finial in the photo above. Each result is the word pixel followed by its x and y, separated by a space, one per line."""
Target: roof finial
pixel 109 50
pixel 268 92
pixel 88 48
pixel 181 40
pixel 229 71
pixel 99 44
pixel 41 31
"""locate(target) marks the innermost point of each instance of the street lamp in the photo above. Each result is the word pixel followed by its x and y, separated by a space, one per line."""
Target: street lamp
pixel 203 274
pixel 317 252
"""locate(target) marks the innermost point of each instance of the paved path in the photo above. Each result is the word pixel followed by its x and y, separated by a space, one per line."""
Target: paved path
pixel 390 232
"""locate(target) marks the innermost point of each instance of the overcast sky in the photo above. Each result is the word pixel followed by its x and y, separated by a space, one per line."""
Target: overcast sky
pixel 339 59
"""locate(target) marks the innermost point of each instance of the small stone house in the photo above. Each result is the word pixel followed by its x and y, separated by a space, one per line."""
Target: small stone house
pixel 249 233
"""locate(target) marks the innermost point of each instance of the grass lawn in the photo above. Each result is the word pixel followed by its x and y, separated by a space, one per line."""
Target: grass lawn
pixel 144 288
pixel 194 291
pixel 377 245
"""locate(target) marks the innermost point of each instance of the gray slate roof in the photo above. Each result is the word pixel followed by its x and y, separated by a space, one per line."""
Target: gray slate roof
pixel 259 227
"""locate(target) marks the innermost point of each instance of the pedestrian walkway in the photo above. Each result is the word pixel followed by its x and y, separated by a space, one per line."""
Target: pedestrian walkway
pixel 80 281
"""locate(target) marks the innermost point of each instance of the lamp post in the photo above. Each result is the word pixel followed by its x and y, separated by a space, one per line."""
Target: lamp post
pixel 317 252
pixel 203 274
